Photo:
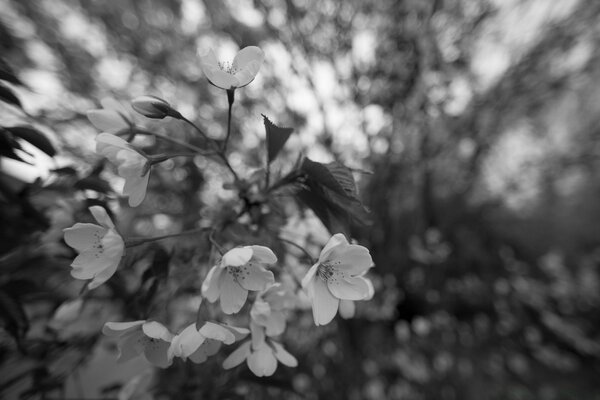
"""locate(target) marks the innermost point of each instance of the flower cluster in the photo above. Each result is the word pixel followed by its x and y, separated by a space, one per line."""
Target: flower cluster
pixel 244 274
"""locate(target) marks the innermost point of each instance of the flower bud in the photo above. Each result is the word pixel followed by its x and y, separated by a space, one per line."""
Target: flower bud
pixel 153 107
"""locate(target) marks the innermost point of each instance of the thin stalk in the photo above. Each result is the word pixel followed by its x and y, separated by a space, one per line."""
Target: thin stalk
pixel 296 245
pixel 230 100
pixel 132 242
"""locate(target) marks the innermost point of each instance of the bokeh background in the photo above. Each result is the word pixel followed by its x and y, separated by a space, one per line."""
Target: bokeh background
pixel 475 126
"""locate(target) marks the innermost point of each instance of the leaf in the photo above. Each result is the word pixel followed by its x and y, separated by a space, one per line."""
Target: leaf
pixel 330 191
pixel 7 146
pixel 35 137
pixel 8 96
pixel 12 315
pixel 7 74
pixel 276 138
pixel 93 183
pixel 318 172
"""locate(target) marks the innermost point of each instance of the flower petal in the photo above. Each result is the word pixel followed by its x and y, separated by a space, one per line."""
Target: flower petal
pixel 263 255
pixel 352 258
pixel 254 277
pixel 334 241
pixel 186 342
pixel 238 356
pixel 136 189
pixel 258 335
pixel 324 304
pixel 217 332
pixel 232 295
pixel 107 120
pixel 262 362
pixel 348 288
pixel 238 333
pixel 155 351
pixel 237 257
pixel 82 236
pixel 210 286
pixel 104 139
pixel 130 346
pixel 246 56
pixel 156 330
pixel 283 355
pixel 120 328
pixel 310 275
pixel 209 348
pixel 101 216
pixel 347 309
pixel 275 324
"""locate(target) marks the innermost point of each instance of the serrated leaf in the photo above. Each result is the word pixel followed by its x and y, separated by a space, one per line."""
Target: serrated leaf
pixel 8 96
pixel 318 172
pixel 7 74
pixel 330 191
pixel 93 183
pixel 276 138
pixel 33 136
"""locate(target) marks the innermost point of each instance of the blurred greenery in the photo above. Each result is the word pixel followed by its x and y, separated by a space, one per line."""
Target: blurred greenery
pixel 473 128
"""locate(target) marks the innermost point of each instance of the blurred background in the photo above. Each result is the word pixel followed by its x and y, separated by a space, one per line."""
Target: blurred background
pixel 477 123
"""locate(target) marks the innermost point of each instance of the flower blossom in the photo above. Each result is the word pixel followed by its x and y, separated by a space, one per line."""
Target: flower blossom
pixel 240 270
pixel 337 275
pixel 269 308
pixel 112 117
pixel 131 165
pixel 347 308
pixel 260 353
pixel 100 248
pixel 239 73
pixel 148 337
pixel 198 345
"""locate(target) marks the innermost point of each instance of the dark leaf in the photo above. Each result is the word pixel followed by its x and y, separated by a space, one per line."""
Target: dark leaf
pixel 65 171
pixel 276 138
pixel 12 315
pixel 7 74
pixel 8 96
pixel 318 172
pixel 8 145
pixel 35 137
pixel 93 183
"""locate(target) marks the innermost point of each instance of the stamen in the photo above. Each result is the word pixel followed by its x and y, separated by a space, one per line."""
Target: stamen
pixel 325 272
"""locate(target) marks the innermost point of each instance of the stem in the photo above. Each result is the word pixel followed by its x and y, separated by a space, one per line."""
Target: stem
pixel 214 242
pixel 230 100
pixel 132 242
pixel 200 131
pixel 218 150
pixel 296 245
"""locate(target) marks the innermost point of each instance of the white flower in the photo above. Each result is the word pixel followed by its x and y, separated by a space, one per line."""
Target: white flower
pixel 240 270
pixel 198 345
pixel 148 337
pixel 100 248
pixel 131 165
pixel 336 276
pixel 111 118
pixel 239 73
pixel 269 308
pixel 347 308
pixel 261 354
